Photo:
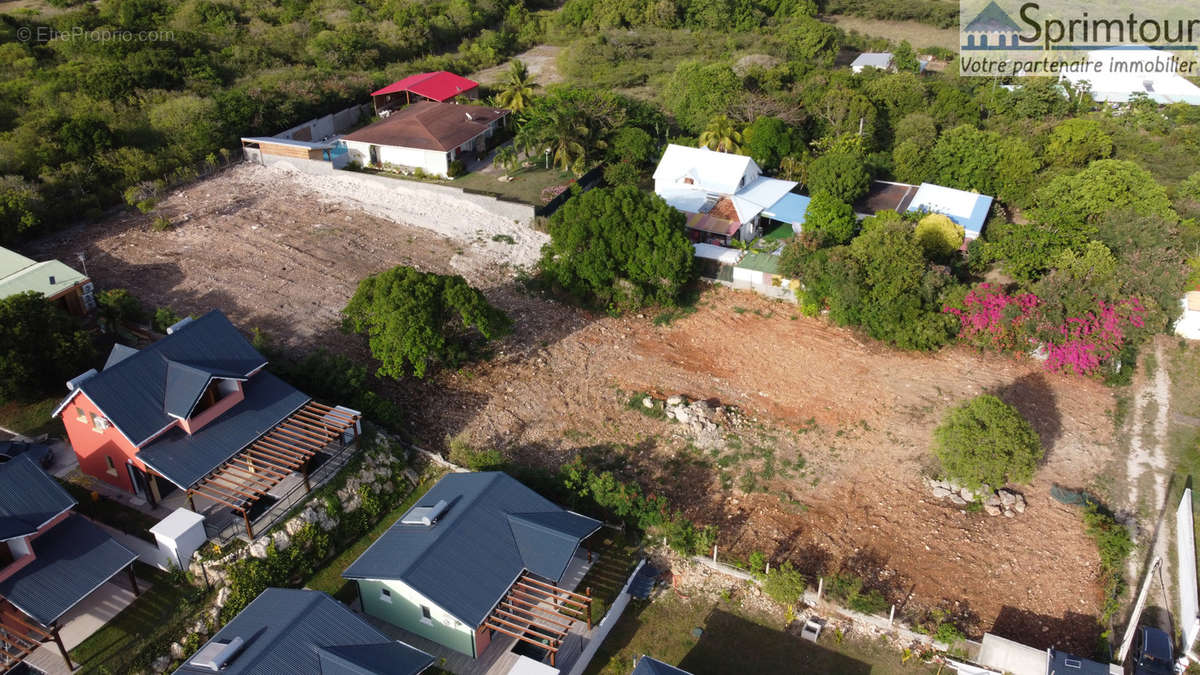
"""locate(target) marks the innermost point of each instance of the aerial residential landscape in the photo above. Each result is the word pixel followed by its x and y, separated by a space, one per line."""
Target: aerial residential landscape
pixel 598 337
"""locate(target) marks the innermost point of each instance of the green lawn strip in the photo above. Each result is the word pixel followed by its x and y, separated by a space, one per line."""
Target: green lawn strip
pixel 526 186
pixel 31 418
pixel 733 640
pixel 329 578
pixel 112 513
pixel 157 616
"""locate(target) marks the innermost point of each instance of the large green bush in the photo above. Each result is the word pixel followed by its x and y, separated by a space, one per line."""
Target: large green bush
pixel 985 440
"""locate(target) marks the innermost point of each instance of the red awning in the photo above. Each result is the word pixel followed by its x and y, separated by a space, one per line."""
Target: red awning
pixel 439 86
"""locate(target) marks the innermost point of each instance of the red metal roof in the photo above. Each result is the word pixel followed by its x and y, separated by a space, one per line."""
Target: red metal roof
pixel 439 86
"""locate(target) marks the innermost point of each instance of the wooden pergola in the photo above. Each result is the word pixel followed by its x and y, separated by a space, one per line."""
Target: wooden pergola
pixel 244 478
pixel 19 637
pixel 540 613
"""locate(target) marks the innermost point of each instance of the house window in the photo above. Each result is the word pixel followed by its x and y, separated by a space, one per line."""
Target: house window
pixel 99 424
pixel 110 467
pixel 385 595
pixel 426 616
pixel 80 415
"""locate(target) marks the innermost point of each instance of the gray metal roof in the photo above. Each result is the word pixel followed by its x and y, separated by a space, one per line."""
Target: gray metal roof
pixel 72 559
pixel 493 529
pixel 29 498
pixel 290 631
pixel 132 390
pixel 881 60
pixel 184 459
pixel 118 354
pixel 650 666
pixel 1062 663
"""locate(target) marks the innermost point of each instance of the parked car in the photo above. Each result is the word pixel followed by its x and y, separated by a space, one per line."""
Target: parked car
pixel 42 455
pixel 1152 653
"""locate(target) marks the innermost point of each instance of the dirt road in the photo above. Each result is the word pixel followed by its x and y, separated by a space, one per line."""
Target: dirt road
pixel 826 471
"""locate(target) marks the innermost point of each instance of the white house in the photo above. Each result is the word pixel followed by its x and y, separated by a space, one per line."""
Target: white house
pixel 723 195
pixel 1126 71
pixel 426 135
pixel 1188 324
pixel 969 209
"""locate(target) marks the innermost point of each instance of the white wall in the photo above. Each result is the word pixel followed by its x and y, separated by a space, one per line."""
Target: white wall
pixel 1189 594
pixel 432 161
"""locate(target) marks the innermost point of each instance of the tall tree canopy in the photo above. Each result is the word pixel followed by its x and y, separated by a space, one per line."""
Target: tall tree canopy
pixel 415 319
pixel 40 347
pixel 618 248
pixel 840 174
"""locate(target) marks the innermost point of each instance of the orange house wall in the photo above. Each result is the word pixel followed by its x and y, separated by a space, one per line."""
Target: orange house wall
pixel 91 447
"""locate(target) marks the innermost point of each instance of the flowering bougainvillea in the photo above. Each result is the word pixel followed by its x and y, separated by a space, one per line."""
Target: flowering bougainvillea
pixel 991 318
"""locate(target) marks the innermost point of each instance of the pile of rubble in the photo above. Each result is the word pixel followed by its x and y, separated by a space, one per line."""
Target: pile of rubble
pixel 704 419
pixel 1002 502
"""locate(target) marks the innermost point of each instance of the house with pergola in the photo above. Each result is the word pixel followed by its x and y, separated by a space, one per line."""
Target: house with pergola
pixel 52 561
pixel 197 411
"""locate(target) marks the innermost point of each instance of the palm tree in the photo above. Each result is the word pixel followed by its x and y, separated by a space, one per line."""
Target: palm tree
pixel 508 158
pixel 568 134
pixel 721 135
pixel 517 90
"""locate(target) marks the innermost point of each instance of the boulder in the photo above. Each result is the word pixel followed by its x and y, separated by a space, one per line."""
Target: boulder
pixel 258 548
pixel 940 492
pixel 683 415
pixel 1019 505
pixel 957 500
pixel 223 596
pixel 160 664
pixel 991 509
pixel 177 652
pixel 1009 513
pixel 993 500
pixel 294 525
pixel 282 540
pixel 967 494
pixel 675 400
pixel 648 402
pixel 1007 498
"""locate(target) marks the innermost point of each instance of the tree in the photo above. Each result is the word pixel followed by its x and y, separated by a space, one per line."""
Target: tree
pixel 1076 202
pixel 828 220
pixel 508 158
pixel 770 139
pixel 1075 142
pixel 116 306
pixel 416 319
pixel 19 207
pixel 618 248
pixel 905 58
pixel 516 92
pixel 720 135
pixel 912 163
pixel 631 144
pixel 984 161
pixel 987 441
pixel 843 175
pixel 697 91
pixel 40 347
pixel 939 236
pixel 574 124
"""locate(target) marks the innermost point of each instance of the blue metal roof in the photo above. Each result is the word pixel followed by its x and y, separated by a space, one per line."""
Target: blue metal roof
pixel 29 498
pixel 132 389
pixel 72 559
pixel 494 529
pixel 650 666
pixel 184 459
pixel 301 631
pixel 1062 663
pixel 790 209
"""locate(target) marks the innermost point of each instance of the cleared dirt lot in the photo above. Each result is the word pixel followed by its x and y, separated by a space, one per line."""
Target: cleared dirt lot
pixel 836 428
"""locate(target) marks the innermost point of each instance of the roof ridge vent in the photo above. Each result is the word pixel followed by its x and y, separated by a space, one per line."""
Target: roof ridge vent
pixel 74 383
pixel 217 655
pixel 425 515
pixel 178 324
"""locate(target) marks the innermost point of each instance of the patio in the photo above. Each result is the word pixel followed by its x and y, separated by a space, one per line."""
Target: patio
pixel 82 621
pixel 500 656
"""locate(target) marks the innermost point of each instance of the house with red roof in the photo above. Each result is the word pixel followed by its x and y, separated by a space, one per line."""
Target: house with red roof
pixel 440 86
pixel 426 136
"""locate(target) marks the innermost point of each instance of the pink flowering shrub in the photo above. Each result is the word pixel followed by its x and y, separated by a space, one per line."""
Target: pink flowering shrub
pixel 990 318
pixel 1088 342
pixel 993 319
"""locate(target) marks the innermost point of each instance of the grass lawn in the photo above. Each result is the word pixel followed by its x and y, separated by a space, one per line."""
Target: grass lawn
pixel 781 232
pixel 112 513
pixel 733 640
pixel 526 186
pixel 329 578
pixel 154 615
pixel 32 418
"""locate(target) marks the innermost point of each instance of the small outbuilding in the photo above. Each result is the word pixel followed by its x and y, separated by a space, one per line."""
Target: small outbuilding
pixel 439 86
pixel 59 283
pixel 880 60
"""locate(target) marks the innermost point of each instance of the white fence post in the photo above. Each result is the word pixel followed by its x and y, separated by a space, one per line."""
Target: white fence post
pixel 820 587
pixel 891 616
pixel 714 554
